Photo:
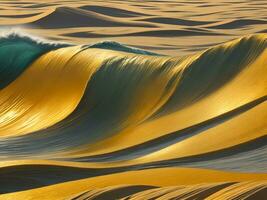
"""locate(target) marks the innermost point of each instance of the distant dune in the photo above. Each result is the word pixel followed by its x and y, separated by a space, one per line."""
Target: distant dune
pixel 157 24
pixel 237 24
pixel 152 33
pixel 42 5
pixel 20 16
pixel 174 21
pixel 65 17
pixel 115 12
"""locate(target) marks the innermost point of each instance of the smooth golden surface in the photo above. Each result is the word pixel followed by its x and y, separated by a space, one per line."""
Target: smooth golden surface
pixel 42 90
pixel 51 86
pixel 156 177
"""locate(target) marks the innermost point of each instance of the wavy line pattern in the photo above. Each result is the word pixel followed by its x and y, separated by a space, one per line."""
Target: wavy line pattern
pixel 117 117
pixel 166 26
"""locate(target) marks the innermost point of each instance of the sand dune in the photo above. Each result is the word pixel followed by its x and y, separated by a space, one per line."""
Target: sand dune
pixel 42 5
pixel 209 191
pixel 237 24
pixel 173 181
pixel 116 19
pixel 253 191
pixel 19 16
pixel 65 17
pixel 116 192
pixel 174 21
pixel 115 12
pixel 153 33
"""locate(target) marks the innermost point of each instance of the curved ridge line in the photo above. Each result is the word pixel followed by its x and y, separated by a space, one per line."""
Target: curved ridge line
pixel 47 66
pixel 18 51
pixel 173 137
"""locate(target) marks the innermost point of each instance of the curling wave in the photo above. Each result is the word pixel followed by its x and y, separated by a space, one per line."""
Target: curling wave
pixel 107 108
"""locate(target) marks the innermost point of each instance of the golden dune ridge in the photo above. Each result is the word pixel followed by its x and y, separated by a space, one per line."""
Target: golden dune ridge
pixel 185 181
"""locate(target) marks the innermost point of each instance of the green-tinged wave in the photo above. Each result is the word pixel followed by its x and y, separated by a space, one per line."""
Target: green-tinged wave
pixel 17 52
pixel 81 111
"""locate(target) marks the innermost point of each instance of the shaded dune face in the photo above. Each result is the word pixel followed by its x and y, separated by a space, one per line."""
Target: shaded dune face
pixel 115 12
pixel 65 17
pixel 121 186
pixel 174 21
pixel 237 24
pixel 19 16
pixel 119 116
pixel 156 33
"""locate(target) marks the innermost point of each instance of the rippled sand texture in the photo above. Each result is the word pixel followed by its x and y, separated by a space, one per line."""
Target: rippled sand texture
pixel 86 118
pixel 172 27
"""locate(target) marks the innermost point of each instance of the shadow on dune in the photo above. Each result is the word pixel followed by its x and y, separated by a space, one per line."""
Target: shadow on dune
pixel 40 5
pixel 263 31
pixel 66 17
pixel 114 12
pixel 30 176
pixel 174 21
pixel 147 192
pixel 20 16
pixel 260 195
pixel 150 33
pixel 236 24
pixel 116 192
pixel 22 177
pixel 15 2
